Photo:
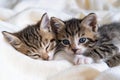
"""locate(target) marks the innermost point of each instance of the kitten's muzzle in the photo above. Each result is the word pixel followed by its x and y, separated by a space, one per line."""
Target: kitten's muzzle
pixel 74 50
pixel 45 56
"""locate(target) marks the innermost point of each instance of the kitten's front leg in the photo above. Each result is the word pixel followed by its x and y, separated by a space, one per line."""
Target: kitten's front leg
pixel 80 59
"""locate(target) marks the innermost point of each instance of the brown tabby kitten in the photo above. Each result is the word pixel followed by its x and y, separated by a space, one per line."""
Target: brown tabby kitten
pixel 83 39
pixel 36 41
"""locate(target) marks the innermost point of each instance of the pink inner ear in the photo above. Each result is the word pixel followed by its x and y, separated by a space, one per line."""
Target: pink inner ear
pixel 7 36
pixel 91 21
pixel 93 25
pixel 45 22
pixel 8 39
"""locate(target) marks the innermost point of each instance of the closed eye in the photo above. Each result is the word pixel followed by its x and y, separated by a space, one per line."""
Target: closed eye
pixel 51 46
pixel 52 40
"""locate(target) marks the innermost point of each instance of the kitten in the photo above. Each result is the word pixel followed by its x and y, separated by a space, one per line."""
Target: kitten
pixel 36 41
pixel 83 39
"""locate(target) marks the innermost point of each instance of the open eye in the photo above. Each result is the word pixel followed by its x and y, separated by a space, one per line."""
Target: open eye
pixel 82 40
pixel 66 42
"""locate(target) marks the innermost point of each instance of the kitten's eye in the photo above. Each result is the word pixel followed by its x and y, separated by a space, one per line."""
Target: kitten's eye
pixel 66 42
pixel 82 40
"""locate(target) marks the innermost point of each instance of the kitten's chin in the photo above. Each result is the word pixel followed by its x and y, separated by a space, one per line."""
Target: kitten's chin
pixel 80 52
pixel 71 53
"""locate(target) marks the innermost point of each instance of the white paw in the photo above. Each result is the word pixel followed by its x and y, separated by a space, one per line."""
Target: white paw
pixel 80 59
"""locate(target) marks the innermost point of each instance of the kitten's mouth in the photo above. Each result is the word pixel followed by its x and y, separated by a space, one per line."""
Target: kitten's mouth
pixel 78 53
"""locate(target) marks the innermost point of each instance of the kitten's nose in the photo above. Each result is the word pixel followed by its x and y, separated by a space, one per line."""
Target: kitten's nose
pixel 74 50
pixel 45 57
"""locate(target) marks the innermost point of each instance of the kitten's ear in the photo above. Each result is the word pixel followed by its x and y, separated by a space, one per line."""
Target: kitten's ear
pixel 90 21
pixel 56 24
pixel 45 22
pixel 12 39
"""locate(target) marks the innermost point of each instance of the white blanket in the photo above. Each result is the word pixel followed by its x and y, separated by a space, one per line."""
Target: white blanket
pixel 16 14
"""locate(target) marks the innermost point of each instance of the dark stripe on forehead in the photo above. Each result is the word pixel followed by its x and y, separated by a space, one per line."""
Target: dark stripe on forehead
pixel 72 26
pixel 30 36
pixel 90 40
pixel 68 32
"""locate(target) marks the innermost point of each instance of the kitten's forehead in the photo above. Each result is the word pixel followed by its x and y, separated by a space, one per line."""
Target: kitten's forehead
pixel 47 35
pixel 73 27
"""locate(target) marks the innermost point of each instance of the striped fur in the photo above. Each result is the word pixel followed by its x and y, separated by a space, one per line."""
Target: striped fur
pixel 108 45
pixel 36 41
pixel 100 42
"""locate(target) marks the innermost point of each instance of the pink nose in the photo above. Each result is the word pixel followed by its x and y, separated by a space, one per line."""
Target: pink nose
pixel 45 57
pixel 74 50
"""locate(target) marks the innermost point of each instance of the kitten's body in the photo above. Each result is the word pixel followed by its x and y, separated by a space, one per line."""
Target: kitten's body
pixel 36 41
pixel 107 47
pixel 83 39
pixel 112 31
pixel 110 42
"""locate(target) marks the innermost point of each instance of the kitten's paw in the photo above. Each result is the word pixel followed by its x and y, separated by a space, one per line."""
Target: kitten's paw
pixel 80 59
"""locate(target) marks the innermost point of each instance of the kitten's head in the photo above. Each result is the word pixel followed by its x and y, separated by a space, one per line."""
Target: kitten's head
pixel 75 35
pixel 35 40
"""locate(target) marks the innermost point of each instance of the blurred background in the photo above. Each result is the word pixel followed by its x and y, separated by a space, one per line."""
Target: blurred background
pixel 30 11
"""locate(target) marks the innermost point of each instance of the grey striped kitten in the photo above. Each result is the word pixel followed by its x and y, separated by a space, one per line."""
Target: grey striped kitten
pixel 36 41
pixel 88 43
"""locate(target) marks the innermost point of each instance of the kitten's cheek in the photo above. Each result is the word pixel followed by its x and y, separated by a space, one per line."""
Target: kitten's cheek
pixel 69 52
pixel 81 51
pixel 50 58
pixel 51 55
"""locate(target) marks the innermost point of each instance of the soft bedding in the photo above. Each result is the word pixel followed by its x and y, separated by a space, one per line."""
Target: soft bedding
pixel 16 14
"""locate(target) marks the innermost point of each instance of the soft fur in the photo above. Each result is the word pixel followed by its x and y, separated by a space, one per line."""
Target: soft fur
pixel 18 66
pixel 30 11
pixel 86 41
pixel 36 41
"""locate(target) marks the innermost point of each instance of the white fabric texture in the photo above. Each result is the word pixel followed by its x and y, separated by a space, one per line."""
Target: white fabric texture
pixel 17 14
